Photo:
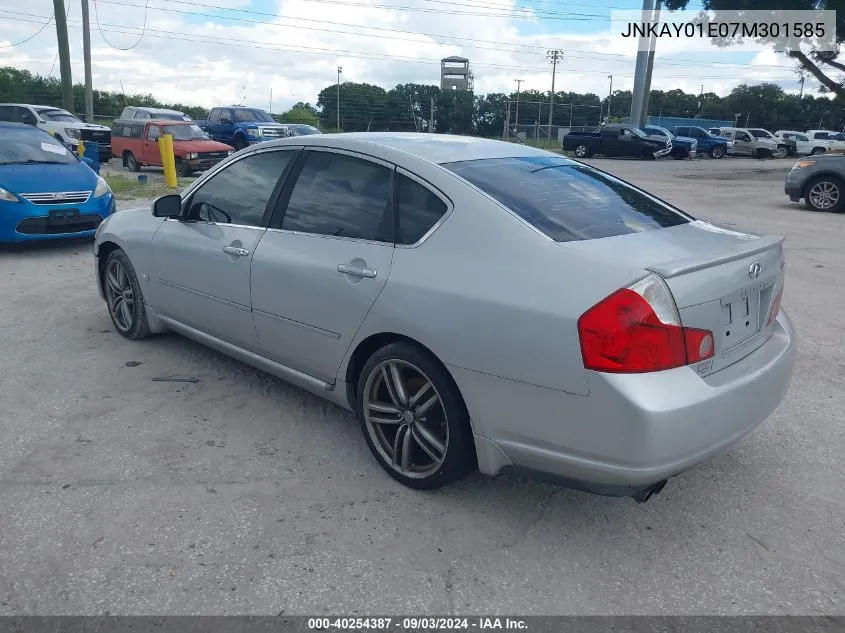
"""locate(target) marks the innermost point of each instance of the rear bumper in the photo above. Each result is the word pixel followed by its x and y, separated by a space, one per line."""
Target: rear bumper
pixel 632 431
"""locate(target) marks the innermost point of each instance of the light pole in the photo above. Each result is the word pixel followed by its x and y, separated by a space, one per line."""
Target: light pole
pixel 518 84
pixel 554 55
pixel 339 70
pixel 609 97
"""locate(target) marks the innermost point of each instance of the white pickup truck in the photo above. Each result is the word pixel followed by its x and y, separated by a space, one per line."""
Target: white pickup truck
pixel 804 145
pixel 836 140
pixel 60 123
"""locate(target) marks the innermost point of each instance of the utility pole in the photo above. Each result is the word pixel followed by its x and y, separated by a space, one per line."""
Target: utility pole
pixel 518 84
pixel 554 55
pixel 64 54
pixel 270 111
pixel 431 123
pixel 507 122
pixel 86 52
pixel 640 70
pixel 609 97
pixel 801 81
pixel 652 45
pixel 339 70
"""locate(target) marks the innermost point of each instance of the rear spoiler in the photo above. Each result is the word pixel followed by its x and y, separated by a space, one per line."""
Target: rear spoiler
pixel 686 265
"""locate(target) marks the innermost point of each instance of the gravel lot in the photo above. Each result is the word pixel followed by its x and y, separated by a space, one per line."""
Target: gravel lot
pixel 240 494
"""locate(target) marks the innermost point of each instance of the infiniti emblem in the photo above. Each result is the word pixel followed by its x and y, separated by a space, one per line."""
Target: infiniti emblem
pixel 754 270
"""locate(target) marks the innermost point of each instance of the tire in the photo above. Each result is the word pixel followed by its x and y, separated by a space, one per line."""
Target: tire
pixel 124 299
pixel 780 152
pixel 717 152
pixel 680 156
pixel 582 151
pixel 817 150
pixel 131 162
pixel 825 193
pixel 182 168
pixel 439 451
pixel 240 143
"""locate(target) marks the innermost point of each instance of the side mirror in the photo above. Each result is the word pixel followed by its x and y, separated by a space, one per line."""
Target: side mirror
pixel 168 206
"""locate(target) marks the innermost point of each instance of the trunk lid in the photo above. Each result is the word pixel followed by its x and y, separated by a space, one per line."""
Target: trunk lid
pixel 722 280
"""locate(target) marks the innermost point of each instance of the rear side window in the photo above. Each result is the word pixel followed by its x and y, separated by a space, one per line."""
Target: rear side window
pixel 341 195
pixel 418 209
pixel 567 201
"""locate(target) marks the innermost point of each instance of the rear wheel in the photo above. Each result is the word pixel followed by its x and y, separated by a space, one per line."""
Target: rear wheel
pixel 582 151
pixel 131 162
pixel 413 418
pixel 124 297
pixel 825 193
pixel 717 152
pixel 817 150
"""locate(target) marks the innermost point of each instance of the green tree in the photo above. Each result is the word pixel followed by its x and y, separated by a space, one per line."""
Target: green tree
pixel 821 64
pixel 454 115
pixel 303 113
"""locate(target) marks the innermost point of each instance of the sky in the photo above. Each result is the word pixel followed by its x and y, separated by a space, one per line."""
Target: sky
pixel 213 52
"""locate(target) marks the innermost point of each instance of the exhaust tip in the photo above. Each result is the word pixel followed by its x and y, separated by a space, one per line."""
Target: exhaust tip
pixel 644 495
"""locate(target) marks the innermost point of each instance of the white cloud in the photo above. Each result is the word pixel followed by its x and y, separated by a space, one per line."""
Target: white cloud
pixel 212 60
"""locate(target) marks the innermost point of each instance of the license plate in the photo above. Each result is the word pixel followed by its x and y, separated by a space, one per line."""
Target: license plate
pixel 63 216
pixel 740 316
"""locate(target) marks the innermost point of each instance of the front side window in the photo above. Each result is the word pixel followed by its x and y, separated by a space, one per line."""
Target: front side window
pixel 567 201
pixel 341 195
pixel 418 209
pixel 240 192
pixel 154 133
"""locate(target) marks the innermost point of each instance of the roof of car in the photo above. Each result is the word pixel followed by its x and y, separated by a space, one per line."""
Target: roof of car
pixel 433 148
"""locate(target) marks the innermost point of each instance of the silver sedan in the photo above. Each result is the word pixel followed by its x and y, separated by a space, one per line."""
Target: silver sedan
pixel 479 304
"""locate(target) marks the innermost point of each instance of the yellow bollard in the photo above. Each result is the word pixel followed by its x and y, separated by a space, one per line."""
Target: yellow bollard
pixel 80 149
pixel 168 160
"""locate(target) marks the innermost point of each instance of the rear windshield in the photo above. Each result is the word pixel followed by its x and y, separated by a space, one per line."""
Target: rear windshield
pixel 565 200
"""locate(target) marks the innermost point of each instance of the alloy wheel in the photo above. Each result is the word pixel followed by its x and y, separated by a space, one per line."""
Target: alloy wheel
pixel 120 297
pixel 405 418
pixel 824 195
pixel 581 151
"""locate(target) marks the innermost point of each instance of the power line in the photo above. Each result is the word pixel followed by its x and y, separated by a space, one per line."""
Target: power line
pixel 259 45
pixel 140 37
pixel 33 36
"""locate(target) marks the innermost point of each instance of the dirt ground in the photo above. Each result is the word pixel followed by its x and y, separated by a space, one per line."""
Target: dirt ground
pixel 237 493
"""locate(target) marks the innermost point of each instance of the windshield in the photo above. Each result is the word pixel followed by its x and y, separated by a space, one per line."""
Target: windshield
pixel 170 116
pixel 246 116
pixel 567 201
pixel 185 132
pixel 761 134
pixel 21 146
pixel 638 132
pixel 303 130
pixel 58 115
pixel 660 131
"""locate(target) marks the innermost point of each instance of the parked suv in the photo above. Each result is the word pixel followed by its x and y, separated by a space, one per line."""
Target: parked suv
pixel 746 144
pixel 135 142
pixel 160 114
pixel 63 125
pixel 713 145
pixel 804 145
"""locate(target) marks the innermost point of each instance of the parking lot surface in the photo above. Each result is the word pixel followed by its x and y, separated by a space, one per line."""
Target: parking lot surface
pixel 239 494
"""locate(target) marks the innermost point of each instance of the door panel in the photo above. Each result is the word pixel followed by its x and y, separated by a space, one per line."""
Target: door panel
pixel 324 261
pixel 203 286
pixel 307 311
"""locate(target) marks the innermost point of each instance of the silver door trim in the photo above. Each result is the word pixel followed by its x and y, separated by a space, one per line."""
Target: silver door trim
pixel 204 295
pixel 332 237
pixel 304 381
pixel 311 328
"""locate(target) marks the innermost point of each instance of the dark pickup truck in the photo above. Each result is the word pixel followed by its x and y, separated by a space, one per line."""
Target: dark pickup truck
pixel 616 140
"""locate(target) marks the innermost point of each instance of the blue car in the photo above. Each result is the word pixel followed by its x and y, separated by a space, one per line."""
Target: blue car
pixel 46 192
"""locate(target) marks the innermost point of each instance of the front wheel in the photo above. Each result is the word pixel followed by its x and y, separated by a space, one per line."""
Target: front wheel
pixel 124 297
pixel 582 151
pixel 183 169
pixel 825 193
pixel 414 419
pixel 240 143
pixel 717 152
pixel 780 152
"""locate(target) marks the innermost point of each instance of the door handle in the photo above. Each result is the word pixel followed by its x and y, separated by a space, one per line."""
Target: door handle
pixel 355 271
pixel 234 250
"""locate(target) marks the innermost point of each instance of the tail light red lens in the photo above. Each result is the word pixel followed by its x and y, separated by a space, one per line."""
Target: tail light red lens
pixel 773 312
pixel 638 330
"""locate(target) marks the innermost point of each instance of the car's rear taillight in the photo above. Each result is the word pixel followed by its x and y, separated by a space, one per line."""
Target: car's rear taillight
pixel 773 311
pixel 638 329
